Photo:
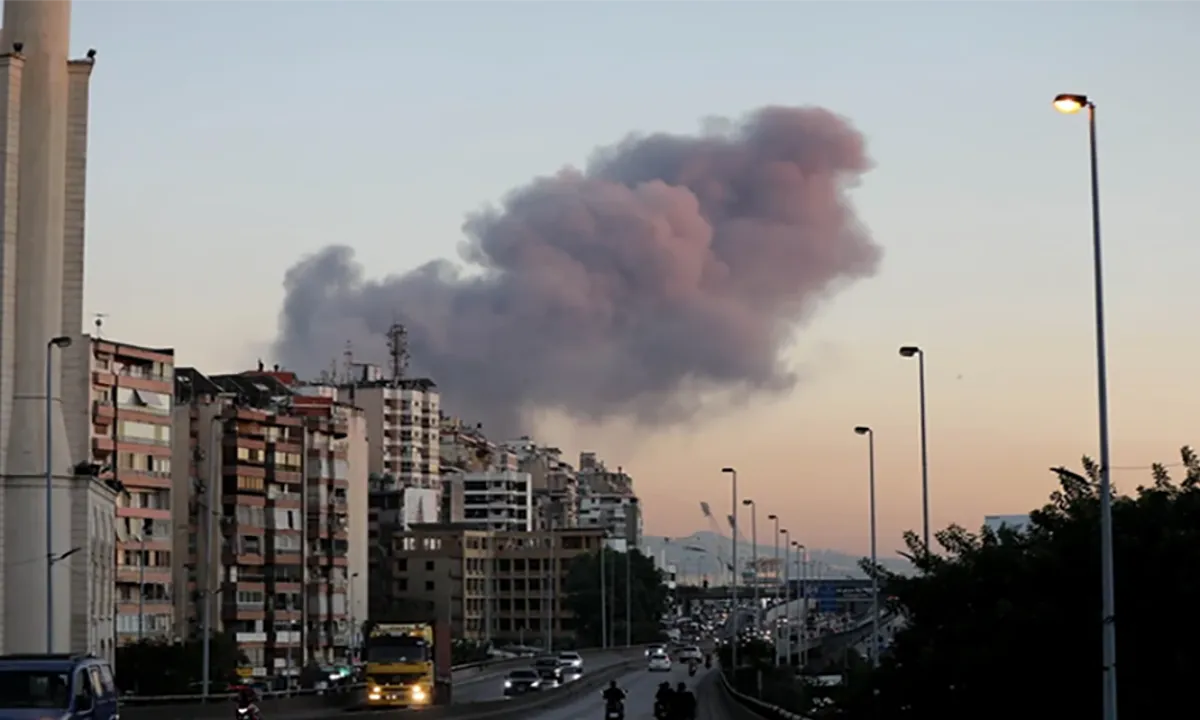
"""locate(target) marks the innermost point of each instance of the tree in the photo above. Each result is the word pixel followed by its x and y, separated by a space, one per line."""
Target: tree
pixel 1008 623
pixel 159 667
pixel 582 587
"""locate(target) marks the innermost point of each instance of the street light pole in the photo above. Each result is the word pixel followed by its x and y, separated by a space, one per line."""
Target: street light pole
pixel 787 593
pixel 1070 103
pixel 775 519
pixel 863 430
pixel 754 555
pixel 909 351
pixel 802 611
pixel 734 584
pixel 57 342
pixel 603 593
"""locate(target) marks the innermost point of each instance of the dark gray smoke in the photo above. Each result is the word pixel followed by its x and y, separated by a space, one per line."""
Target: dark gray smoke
pixel 672 266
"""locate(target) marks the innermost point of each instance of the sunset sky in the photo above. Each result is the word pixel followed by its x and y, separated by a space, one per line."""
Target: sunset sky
pixel 230 138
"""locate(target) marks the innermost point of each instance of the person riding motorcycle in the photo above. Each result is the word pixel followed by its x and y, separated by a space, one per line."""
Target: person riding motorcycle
pixel 707 661
pixel 692 663
pixel 247 700
pixel 664 701
pixel 614 695
pixel 685 703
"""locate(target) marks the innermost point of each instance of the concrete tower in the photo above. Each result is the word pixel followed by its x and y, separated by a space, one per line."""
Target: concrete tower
pixel 35 106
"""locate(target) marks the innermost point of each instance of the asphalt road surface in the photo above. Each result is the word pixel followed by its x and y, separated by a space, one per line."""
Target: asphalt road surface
pixel 640 687
pixel 489 685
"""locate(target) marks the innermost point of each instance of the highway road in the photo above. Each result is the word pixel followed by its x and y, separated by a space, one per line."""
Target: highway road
pixel 489 685
pixel 639 685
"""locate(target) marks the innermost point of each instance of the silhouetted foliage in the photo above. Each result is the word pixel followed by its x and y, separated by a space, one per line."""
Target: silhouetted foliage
pixel 649 595
pixel 1007 624
pixel 159 667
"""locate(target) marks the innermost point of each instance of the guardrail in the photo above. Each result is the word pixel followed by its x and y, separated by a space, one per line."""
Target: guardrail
pixel 314 703
pixel 754 705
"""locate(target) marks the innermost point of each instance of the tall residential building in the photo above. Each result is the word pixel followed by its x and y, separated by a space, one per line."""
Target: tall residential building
pixel 120 421
pixel 498 500
pixel 43 143
pixel 283 467
pixel 502 586
pixel 403 426
pixel 606 500
pixel 555 485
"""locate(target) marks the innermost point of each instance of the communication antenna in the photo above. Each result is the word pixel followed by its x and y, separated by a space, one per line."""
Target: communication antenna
pixel 398 348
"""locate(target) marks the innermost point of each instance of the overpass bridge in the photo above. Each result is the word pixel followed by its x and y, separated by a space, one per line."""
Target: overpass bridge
pixel 840 595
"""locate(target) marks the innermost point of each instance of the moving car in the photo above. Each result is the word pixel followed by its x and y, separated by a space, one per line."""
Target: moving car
pixel 551 677
pixel 570 659
pixel 520 682
pixel 571 674
pixel 690 652
pixel 659 662
pixel 654 649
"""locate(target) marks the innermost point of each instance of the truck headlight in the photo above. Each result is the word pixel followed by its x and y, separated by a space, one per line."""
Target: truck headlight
pixel 376 690
pixel 418 694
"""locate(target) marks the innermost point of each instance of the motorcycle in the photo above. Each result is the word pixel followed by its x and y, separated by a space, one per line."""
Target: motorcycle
pixel 249 712
pixel 691 668
pixel 661 711
pixel 708 662
pixel 614 711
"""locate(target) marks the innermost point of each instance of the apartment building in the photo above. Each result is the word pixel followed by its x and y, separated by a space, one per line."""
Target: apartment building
pixel 121 426
pixel 504 586
pixel 403 426
pixel 276 471
pixel 554 484
pixel 498 500
pixel 607 500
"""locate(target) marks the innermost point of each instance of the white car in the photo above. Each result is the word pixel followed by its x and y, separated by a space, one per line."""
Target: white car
pixel 570 659
pixel 655 649
pixel 691 652
pixel 659 662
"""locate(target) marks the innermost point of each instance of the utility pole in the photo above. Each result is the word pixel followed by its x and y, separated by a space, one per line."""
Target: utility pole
pixel 603 593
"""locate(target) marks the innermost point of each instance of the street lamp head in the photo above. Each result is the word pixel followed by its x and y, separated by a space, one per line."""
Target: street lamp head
pixel 1070 103
pixel 61 341
pixel 909 351
pixel 783 531
pixel 747 501
pixel 862 430
pixel 772 517
pixel 728 470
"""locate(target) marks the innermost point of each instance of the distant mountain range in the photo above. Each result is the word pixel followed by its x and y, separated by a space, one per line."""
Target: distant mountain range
pixel 707 554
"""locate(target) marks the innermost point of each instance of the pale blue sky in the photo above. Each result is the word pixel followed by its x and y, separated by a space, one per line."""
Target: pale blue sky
pixel 229 138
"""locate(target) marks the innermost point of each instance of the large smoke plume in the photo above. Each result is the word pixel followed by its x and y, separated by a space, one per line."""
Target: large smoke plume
pixel 673 265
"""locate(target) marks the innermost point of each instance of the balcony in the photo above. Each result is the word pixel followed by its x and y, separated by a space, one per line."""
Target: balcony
pixel 250 637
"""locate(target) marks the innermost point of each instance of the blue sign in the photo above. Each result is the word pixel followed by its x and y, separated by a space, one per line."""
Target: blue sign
pixel 827 598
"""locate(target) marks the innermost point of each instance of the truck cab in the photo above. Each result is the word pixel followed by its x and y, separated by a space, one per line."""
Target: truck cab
pixel 404 666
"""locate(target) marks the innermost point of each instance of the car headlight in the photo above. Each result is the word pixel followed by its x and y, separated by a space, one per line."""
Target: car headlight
pixel 508 683
pixel 535 683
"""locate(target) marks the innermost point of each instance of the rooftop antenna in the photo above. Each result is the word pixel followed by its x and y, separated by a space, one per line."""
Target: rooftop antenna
pixel 398 348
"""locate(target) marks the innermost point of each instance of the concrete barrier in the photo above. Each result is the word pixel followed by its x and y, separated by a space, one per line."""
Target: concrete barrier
pixel 309 705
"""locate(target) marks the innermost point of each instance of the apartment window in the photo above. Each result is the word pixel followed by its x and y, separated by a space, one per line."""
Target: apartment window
pixel 144 432
pixel 144 401
pixel 145 499
pixel 429 565
pixel 249 598
pixel 250 516
pixel 428 586
pixel 286 519
pixel 287 460
pixel 250 545
pixel 245 482
pixel 253 455
pixel 140 462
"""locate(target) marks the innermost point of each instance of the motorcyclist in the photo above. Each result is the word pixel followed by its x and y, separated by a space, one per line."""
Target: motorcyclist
pixel 685 703
pixel 247 699
pixel 614 695
pixel 664 701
